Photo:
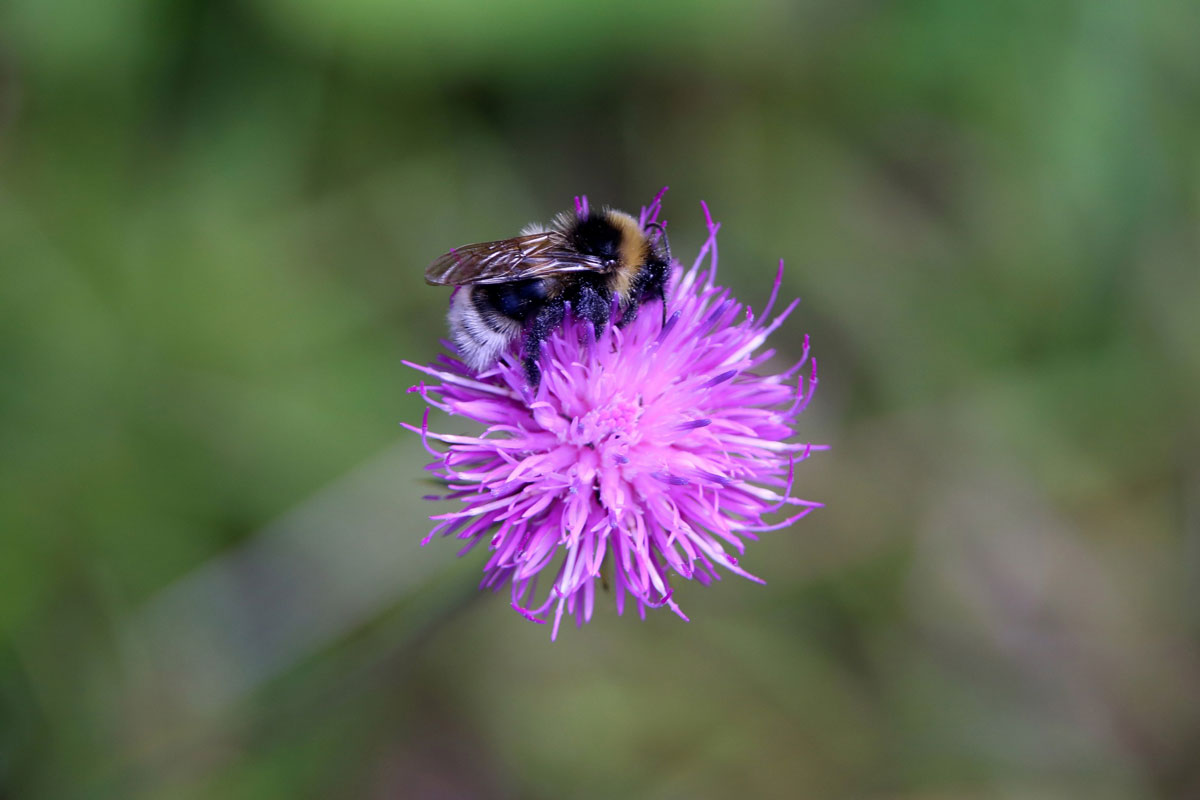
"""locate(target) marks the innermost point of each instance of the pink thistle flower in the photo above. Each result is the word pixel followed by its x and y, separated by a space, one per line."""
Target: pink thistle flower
pixel 655 450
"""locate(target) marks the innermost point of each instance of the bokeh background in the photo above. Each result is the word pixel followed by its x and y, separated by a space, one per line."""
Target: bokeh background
pixel 214 218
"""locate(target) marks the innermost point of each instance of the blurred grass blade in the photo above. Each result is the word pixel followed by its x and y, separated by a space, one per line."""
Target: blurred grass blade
pixel 334 563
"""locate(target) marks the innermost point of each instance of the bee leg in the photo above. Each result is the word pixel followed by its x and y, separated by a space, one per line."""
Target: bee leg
pixel 651 284
pixel 591 304
pixel 547 318
pixel 631 310
pixel 656 284
pixel 533 373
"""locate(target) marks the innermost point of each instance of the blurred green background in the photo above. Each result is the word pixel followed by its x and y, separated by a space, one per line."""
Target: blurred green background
pixel 214 218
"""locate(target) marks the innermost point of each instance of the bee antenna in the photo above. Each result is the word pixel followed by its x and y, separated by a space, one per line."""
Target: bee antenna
pixel 662 234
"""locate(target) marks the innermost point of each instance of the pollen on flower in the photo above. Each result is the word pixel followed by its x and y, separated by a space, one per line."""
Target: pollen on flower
pixel 651 452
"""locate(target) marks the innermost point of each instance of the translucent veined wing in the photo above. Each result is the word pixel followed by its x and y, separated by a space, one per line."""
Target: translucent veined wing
pixel 531 256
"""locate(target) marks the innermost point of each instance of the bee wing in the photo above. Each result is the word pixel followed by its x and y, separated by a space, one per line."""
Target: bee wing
pixel 531 256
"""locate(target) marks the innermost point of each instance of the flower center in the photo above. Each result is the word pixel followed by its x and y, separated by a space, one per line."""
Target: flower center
pixel 612 421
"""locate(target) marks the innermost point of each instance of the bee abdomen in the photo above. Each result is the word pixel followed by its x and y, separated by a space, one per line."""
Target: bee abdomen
pixel 478 328
pixel 516 300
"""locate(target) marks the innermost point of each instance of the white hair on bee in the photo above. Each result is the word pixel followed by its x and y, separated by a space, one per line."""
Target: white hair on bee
pixel 481 336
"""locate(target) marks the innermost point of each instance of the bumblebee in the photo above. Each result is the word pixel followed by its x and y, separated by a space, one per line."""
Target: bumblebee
pixel 520 287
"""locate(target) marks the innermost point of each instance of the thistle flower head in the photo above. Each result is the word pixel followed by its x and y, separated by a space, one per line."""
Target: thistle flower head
pixel 657 449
